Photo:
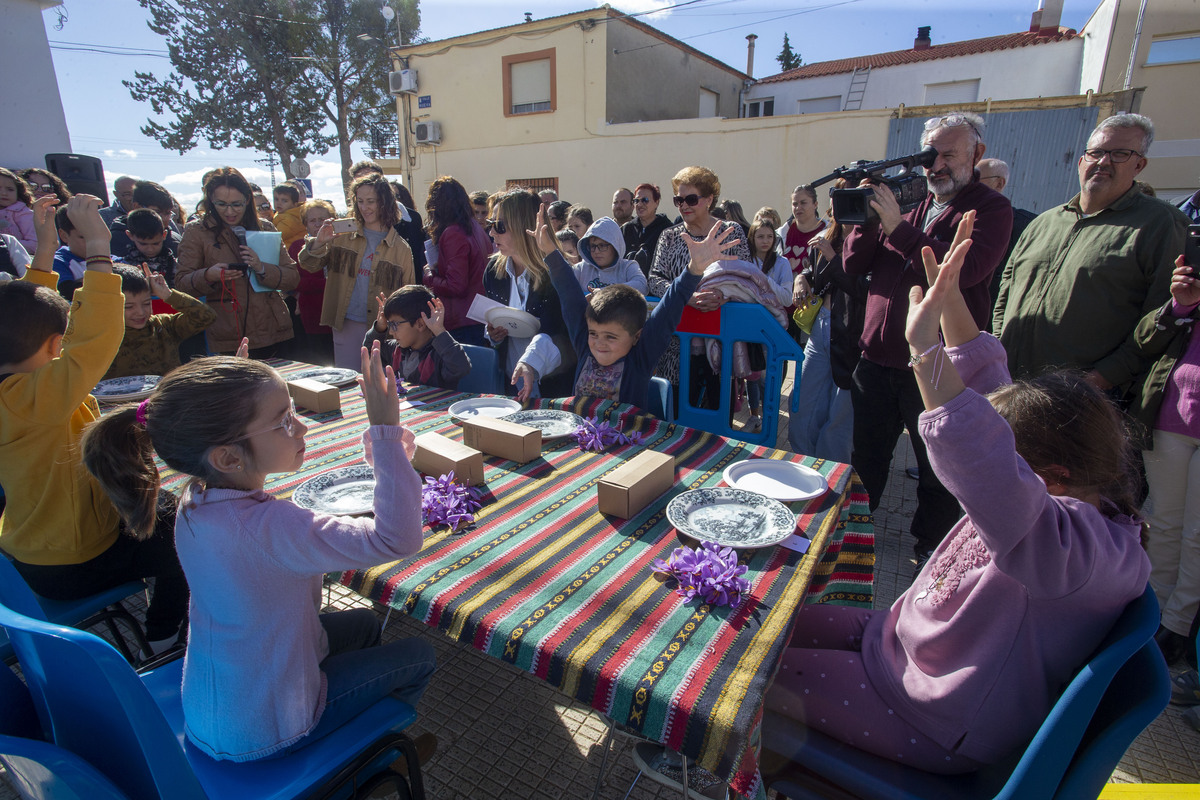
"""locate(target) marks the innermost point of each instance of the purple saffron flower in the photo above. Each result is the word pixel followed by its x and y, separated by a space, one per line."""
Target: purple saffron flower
pixel 598 436
pixel 710 572
pixel 444 502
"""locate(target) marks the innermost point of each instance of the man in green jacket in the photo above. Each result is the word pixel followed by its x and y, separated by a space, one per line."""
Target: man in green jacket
pixel 1085 273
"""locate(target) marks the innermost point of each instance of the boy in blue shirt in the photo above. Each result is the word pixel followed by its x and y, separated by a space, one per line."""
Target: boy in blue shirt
pixel 617 343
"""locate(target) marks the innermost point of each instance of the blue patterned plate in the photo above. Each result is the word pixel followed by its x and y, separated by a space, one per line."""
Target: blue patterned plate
pixel 334 376
pixel 553 424
pixel 131 387
pixel 731 517
pixel 349 490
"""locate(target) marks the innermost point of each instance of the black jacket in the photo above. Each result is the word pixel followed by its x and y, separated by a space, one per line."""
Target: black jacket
pixel 642 240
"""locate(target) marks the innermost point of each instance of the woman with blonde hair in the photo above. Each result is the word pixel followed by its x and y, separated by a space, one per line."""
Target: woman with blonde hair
pixel 516 276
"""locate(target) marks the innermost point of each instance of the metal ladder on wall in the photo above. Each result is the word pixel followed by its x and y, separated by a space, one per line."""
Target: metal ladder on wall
pixel 858 88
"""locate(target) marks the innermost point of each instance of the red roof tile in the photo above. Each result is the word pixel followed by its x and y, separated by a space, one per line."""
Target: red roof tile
pixel 988 44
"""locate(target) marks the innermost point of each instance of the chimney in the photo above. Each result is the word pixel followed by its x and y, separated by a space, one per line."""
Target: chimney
pixel 750 53
pixel 529 16
pixel 922 42
pixel 1047 18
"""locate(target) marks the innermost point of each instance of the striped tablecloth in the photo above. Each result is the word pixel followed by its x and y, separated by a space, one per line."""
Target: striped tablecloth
pixel 545 582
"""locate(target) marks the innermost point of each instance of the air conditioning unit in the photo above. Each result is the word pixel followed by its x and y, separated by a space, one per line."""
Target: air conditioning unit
pixel 402 82
pixel 429 133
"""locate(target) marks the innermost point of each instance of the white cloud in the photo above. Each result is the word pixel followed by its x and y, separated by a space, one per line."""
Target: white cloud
pixel 131 154
pixel 649 9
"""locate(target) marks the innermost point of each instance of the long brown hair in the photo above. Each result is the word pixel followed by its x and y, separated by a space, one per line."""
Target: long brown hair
pixel 1060 419
pixel 181 426
pixel 230 177
pixel 447 205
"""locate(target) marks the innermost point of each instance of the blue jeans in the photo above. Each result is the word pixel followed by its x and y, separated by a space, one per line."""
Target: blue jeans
pixel 359 671
pixel 823 427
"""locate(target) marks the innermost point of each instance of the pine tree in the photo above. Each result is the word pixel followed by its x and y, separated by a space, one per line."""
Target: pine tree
pixel 788 58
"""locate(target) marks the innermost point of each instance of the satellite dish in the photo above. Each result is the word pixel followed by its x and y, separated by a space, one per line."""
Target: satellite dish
pixel 300 168
pixel 388 13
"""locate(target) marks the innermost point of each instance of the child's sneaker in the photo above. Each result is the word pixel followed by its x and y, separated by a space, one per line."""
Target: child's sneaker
pixel 1185 688
pixel 754 424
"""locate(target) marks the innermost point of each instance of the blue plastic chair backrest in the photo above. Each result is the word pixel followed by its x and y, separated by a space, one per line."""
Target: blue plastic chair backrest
pixel 42 771
pixel 1052 748
pixel 660 399
pixel 15 592
pixel 485 377
pixel 751 323
pixel 93 704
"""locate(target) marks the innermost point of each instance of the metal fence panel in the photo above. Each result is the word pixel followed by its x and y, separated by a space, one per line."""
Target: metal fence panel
pixel 1040 146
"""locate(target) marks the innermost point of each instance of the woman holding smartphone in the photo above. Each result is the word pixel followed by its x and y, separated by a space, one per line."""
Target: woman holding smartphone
pixel 214 264
pixel 360 264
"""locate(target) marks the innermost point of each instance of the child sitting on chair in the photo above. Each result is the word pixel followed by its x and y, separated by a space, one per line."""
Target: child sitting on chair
pixel 966 664
pixel 410 328
pixel 617 344
pixel 151 343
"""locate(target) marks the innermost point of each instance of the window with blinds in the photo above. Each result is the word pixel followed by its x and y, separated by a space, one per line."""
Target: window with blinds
pixel 529 83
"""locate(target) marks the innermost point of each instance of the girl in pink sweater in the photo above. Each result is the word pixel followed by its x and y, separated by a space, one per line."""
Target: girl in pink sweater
pixel 966 664
pixel 16 216
pixel 265 672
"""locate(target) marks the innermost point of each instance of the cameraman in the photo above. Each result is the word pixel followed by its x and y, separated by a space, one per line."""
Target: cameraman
pixel 888 248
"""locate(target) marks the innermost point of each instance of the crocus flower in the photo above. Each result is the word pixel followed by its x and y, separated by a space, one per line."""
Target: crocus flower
pixel 444 502
pixel 599 436
pixel 709 572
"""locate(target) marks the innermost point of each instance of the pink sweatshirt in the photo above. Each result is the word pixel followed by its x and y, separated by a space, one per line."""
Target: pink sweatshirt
pixel 1016 598
pixel 17 220
pixel 251 678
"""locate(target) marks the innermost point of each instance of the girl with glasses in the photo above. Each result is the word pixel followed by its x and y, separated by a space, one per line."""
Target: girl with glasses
pixel 43 182
pixel 243 289
pixel 266 673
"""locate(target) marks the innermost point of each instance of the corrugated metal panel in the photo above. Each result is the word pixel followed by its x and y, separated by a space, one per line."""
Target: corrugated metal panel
pixel 1040 146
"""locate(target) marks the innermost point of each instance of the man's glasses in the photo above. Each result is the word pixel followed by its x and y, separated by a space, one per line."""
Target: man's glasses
pixel 1118 156
pixel 640 200
pixel 217 204
pixel 691 201
pixel 953 121
pixel 497 225
pixel 289 423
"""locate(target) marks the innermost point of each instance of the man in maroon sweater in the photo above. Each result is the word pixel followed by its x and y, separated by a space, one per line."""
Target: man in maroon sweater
pixel 884 393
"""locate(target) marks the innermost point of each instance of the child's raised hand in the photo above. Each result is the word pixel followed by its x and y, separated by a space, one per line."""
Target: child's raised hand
pixel 966 226
pixel 435 319
pixel 380 319
pixel 544 235
pixel 378 384
pixel 158 284
pixel 1185 289
pixel 84 212
pixel 710 249
pixel 925 309
pixel 47 233
pixel 243 350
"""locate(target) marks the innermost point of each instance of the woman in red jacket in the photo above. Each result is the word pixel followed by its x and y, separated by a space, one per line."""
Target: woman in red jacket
pixel 458 254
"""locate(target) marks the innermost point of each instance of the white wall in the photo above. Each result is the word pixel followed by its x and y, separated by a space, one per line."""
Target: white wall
pixel 29 100
pixel 1097 35
pixel 1044 70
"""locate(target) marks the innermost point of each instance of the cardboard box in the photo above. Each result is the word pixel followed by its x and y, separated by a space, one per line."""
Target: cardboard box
pixel 502 438
pixel 436 455
pixel 314 395
pixel 635 484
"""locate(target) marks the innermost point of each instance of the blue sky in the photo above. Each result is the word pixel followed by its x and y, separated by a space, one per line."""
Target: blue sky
pixel 104 120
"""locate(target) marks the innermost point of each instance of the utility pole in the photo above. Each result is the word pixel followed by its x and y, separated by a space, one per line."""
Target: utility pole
pixel 271 160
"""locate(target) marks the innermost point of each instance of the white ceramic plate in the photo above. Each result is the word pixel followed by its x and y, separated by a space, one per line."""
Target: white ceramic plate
pixel 334 376
pixel 553 424
pixel 780 480
pixel 349 490
pixel 520 323
pixel 483 407
pixel 131 387
pixel 731 517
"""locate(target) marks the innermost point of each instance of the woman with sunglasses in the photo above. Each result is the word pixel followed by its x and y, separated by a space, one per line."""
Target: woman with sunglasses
pixel 359 265
pixel 641 233
pixel 697 190
pixel 43 182
pixel 460 251
pixel 231 278
pixel 544 364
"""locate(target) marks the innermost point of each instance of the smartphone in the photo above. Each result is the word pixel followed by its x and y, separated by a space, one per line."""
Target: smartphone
pixel 349 225
pixel 1191 250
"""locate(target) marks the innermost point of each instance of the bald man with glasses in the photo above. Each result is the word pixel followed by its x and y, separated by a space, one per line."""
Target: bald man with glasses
pixel 1085 273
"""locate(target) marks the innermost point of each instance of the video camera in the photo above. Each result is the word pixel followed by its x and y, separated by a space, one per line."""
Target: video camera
pixel 853 206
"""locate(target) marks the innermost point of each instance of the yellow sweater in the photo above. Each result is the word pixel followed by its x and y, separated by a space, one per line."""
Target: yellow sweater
pixel 57 513
pixel 290 223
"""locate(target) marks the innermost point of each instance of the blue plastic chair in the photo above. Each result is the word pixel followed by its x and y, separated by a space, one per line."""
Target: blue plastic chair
pixel 91 703
pixel 751 323
pixel 38 770
pixel 88 612
pixel 660 399
pixel 1113 697
pixel 485 377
